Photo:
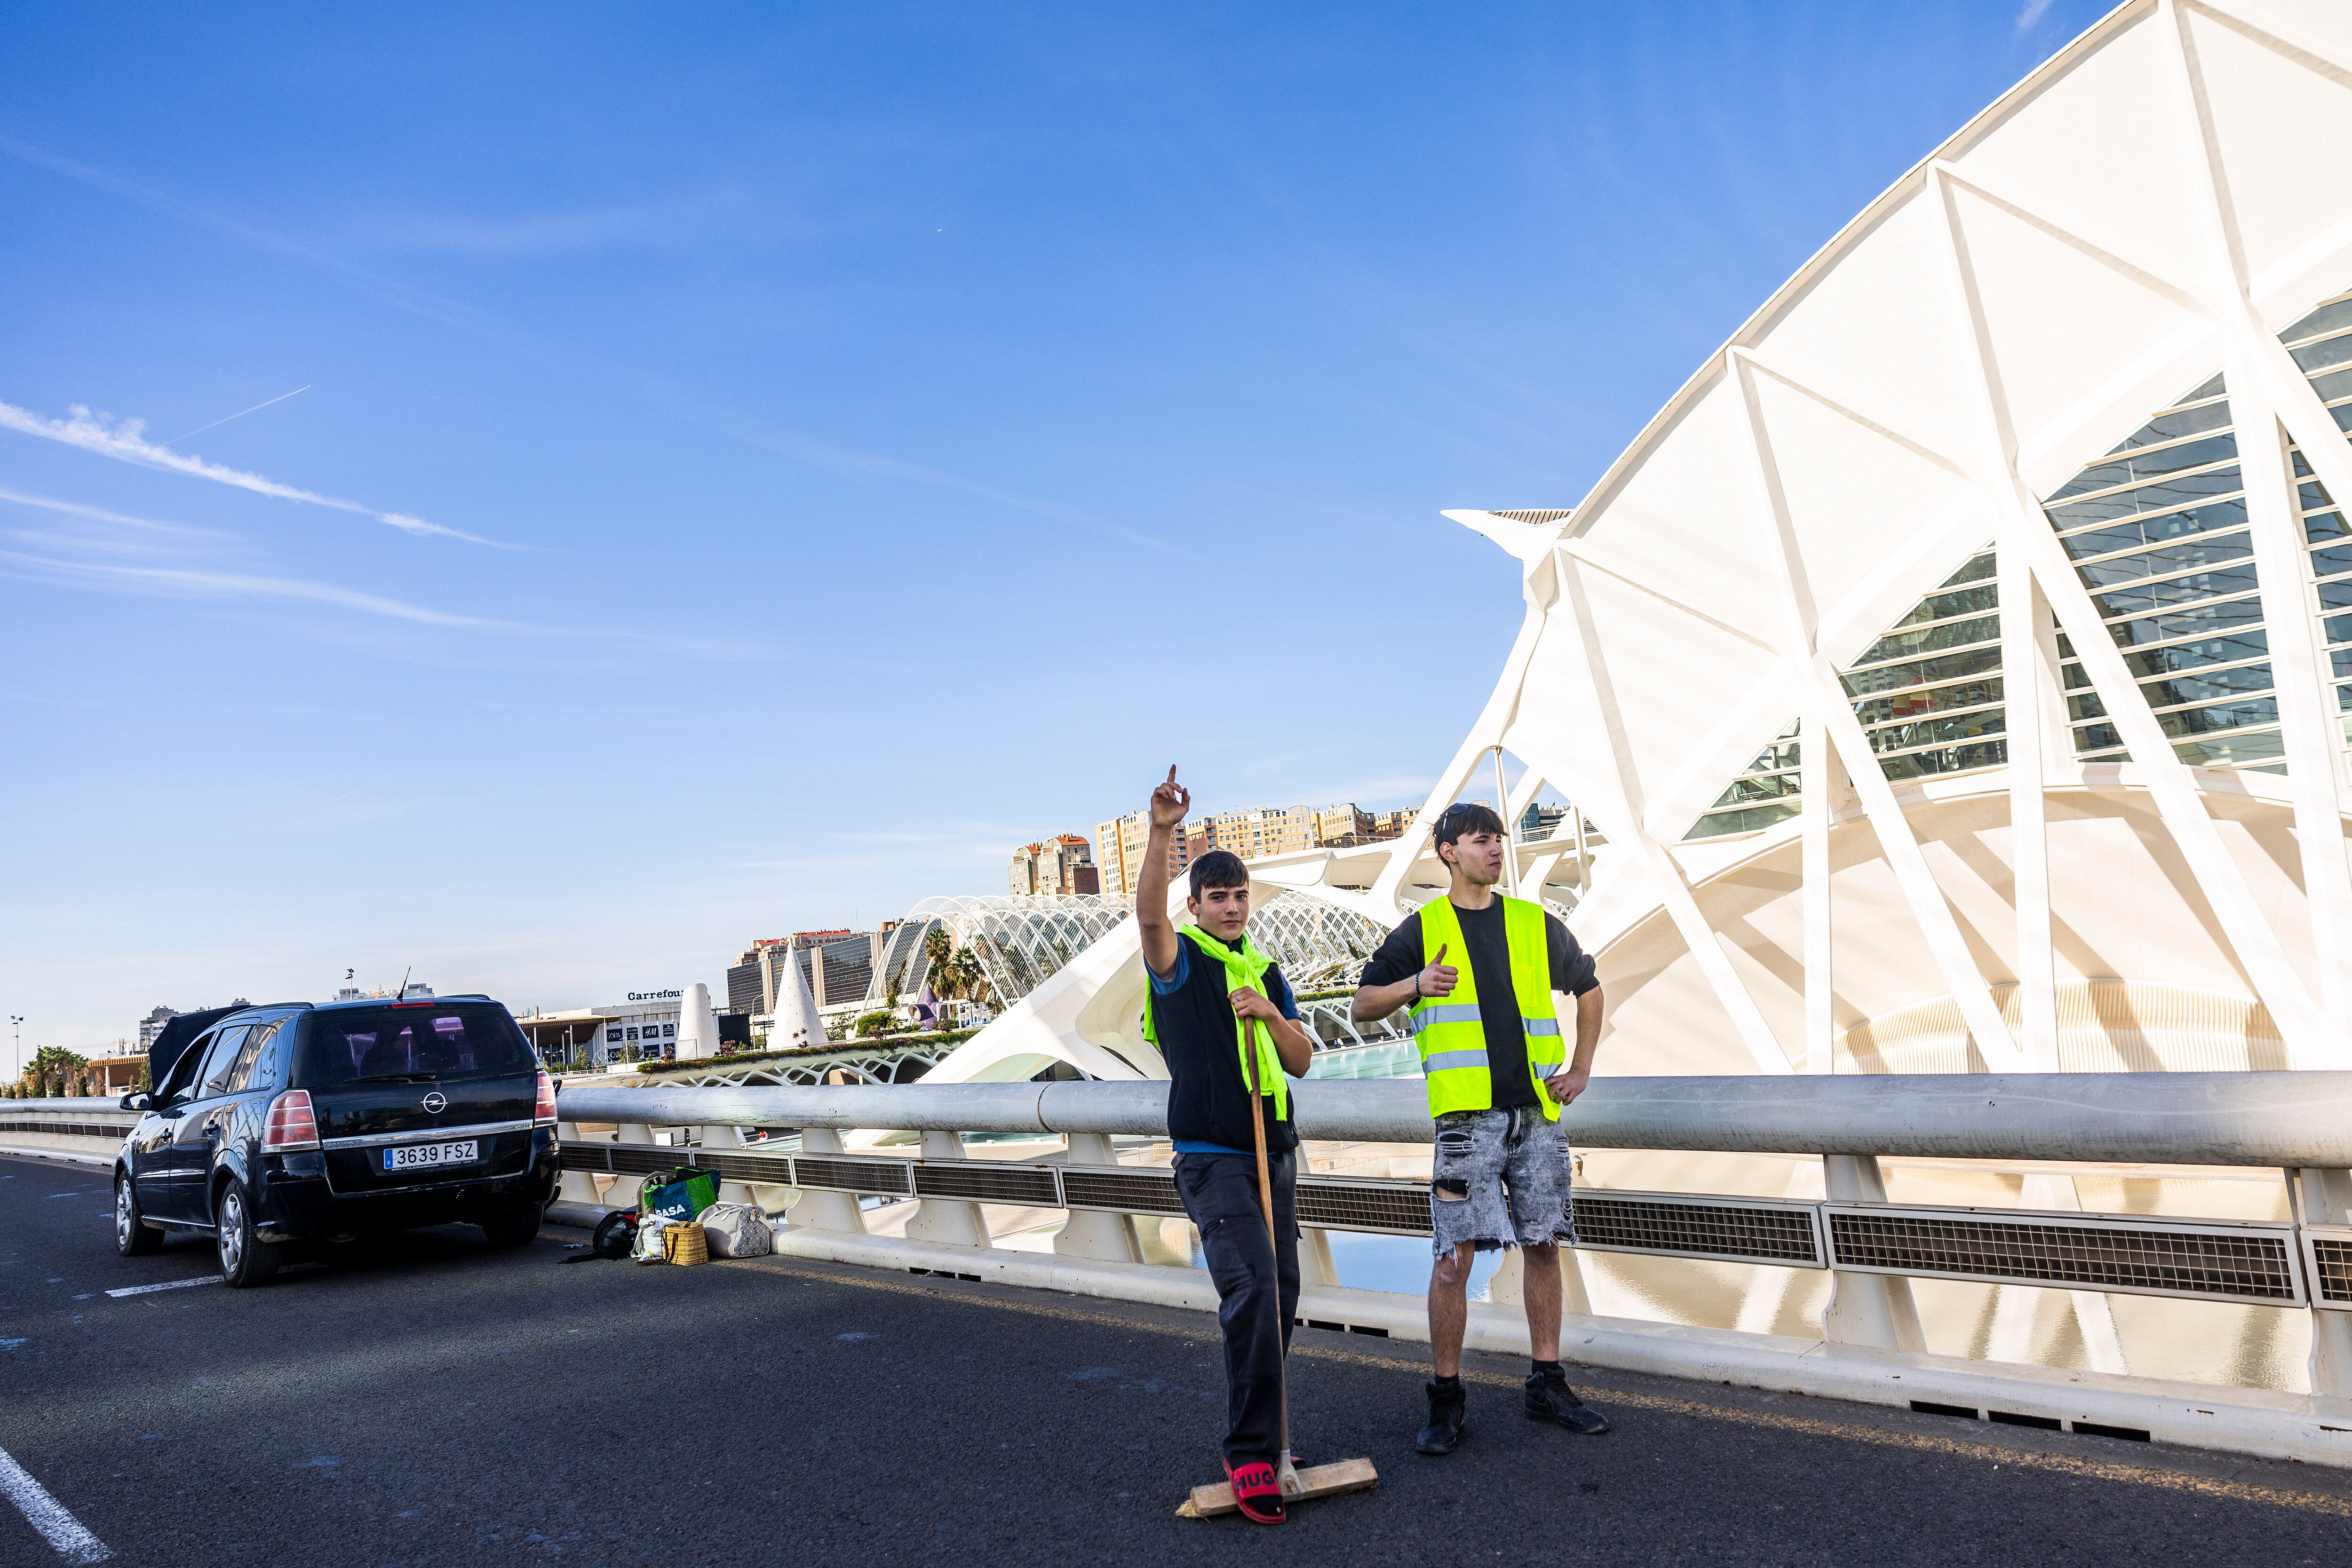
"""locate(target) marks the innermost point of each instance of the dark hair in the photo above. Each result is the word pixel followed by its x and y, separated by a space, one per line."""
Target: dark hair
pixel 1466 817
pixel 1218 868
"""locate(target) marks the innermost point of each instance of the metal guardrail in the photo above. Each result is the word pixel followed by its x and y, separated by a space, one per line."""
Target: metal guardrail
pixel 2284 1119
pixel 2244 1261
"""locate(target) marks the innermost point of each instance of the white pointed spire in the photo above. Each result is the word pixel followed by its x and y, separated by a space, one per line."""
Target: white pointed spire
pixel 697 1024
pixel 795 1022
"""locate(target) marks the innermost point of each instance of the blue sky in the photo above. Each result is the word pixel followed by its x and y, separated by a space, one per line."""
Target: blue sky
pixel 760 465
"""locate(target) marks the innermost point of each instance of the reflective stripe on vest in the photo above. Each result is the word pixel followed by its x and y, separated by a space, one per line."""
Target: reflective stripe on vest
pixel 1450 1031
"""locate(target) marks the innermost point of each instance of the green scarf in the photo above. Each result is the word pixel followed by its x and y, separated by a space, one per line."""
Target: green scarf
pixel 1245 970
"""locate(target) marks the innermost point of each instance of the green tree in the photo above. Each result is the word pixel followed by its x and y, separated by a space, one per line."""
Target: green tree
pixel 870 1024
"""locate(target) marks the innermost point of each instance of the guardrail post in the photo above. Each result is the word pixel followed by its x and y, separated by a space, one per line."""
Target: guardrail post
pixel 1090 1233
pixel 1872 1310
pixel 821 1210
pixel 577 1186
pixel 2317 1196
pixel 953 1220
pixel 1316 1266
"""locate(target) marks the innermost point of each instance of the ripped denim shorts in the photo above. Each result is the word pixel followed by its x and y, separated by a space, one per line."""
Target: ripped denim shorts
pixel 1499 1178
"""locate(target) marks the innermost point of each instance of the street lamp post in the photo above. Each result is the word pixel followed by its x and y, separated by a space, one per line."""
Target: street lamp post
pixel 16 1047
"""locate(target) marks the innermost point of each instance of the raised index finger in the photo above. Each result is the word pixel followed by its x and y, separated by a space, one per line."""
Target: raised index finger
pixel 1172 773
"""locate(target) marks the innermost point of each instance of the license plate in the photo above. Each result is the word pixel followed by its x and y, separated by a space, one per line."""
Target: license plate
pixel 425 1157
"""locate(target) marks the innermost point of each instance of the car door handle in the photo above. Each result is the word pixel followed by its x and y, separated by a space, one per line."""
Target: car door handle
pixel 212 1129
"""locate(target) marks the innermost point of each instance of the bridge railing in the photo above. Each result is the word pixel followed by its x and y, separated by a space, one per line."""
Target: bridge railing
pixel 2299 1123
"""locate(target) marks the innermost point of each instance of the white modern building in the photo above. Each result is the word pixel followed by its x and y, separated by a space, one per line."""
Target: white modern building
pixel 1953 676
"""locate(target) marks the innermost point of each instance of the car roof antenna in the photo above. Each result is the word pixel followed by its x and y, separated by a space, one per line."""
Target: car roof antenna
pixel 403 995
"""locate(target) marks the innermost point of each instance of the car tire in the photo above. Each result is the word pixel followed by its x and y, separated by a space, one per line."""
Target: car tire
pixel 517 1227
pixel 246 1259
pixel 133 1237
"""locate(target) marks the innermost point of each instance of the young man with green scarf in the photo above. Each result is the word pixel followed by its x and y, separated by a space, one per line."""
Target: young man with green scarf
pixel 1223 1017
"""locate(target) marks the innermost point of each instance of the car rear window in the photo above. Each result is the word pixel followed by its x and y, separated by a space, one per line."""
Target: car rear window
pixel 448 1039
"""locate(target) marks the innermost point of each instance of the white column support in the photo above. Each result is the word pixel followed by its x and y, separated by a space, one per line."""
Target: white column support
pixel 1090 1233
pixel 576 1186
pixel 1823 786
pixel 954 1221
pixel 2317 1196
pixel 1316 1264
pixel 826 1210
pixel 1828 703
pixel 1874 1310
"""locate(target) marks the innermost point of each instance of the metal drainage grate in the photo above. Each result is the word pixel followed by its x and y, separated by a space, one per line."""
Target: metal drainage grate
pixel 769 1170
pixel 2329 1254
pixel 848 1173
pixel 586 1157
pixel 986 1182
pixel 2244 1263
pixel 1395 1207
pixel 68 1129
pixel 1678 1226
pixel 1123 1190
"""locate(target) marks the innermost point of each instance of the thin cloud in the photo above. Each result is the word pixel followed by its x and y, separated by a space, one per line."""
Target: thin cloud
pixel 126 441
pixel 176 582
pixel 100 514
pixel 2032 12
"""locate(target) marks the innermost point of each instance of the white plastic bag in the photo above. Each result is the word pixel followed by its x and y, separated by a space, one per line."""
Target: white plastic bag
pixel 737 1230
pixel 649 1248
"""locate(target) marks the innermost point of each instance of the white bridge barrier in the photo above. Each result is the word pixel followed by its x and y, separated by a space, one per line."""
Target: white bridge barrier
pixel 1871 1347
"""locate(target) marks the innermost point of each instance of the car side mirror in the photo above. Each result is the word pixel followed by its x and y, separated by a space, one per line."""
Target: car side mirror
pixel 138 1100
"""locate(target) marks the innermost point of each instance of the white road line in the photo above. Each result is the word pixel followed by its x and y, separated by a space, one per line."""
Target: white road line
pixel 45 1513
pixel 166 1285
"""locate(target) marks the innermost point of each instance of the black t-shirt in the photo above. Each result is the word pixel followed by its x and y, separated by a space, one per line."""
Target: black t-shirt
pixel 1489 958
pixel 1208 1098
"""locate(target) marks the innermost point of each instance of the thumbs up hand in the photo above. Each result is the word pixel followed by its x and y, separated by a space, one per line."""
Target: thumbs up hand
pixel 1438 980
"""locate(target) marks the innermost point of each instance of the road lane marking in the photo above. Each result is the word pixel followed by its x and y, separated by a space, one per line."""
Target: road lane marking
pixel 166 1285
pixel 74 1543
pixel 1809 1426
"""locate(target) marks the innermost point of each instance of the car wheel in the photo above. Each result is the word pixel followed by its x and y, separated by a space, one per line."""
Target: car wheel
pixel 518 1228
pixel 133 1238
pixel 245 1257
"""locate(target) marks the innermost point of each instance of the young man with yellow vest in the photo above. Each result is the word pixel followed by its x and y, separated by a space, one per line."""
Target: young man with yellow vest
pixel 1498 1072
pixel 1225 1020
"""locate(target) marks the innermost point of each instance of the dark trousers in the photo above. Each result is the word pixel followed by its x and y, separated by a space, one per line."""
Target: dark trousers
pixel 1257 1285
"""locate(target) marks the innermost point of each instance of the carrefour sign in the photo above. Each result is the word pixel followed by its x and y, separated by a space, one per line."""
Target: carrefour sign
pixel 654 996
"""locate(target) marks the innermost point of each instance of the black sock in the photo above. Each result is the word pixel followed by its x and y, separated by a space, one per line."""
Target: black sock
pixel 1454 1382
pixel 1547 1369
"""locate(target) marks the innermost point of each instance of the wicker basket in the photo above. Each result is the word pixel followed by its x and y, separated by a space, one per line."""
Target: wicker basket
pixel 683 1241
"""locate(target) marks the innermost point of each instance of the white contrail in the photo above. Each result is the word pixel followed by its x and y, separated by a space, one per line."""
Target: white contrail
pixel 126 442
pixel 240 414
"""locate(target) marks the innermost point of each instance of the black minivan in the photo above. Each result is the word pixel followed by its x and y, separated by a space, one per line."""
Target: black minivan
pixel 291 1123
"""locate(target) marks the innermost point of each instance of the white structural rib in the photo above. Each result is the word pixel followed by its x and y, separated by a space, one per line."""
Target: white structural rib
pixel 1827 703
pixel 2024 694
pixel 2310 730
pixel 2168 779
pixel 1622 819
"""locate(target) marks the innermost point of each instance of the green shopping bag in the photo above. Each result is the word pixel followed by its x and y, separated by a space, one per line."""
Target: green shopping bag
pixel 679 1193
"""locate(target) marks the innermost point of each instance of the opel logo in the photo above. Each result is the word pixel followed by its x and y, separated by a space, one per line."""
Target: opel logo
pixel 436 1101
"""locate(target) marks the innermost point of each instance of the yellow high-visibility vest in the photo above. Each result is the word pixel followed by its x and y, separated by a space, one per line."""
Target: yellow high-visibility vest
pixel 1450 1030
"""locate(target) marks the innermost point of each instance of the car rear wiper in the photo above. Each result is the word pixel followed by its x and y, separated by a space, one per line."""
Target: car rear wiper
pixel 394 1078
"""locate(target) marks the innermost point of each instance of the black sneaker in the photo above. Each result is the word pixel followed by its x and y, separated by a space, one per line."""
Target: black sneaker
pixel 1445 1429
pixel 1549 1399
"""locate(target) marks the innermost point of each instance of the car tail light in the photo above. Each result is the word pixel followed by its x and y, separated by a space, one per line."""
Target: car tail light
pixel 292 1124
pixel 543 1113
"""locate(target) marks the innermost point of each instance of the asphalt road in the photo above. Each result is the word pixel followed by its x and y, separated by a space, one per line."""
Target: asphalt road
pixel 434 1402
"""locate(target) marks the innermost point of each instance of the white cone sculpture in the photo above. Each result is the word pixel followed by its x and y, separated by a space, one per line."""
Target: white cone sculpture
pixel 697 1024
pixel 794 1026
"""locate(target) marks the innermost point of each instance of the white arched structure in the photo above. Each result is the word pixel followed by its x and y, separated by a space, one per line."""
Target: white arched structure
pixel 1949 672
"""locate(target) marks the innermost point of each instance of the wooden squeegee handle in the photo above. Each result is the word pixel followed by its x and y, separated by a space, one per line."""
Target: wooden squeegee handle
pixel 1250 1060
